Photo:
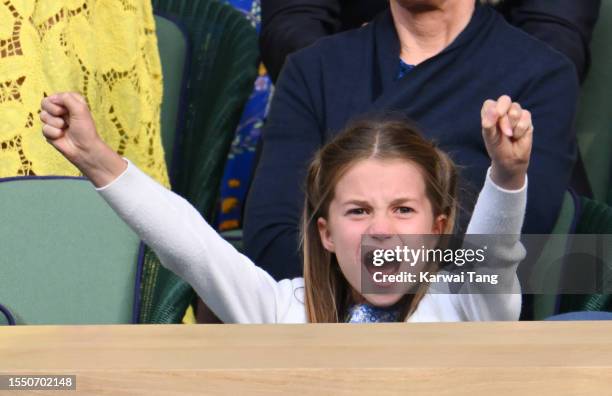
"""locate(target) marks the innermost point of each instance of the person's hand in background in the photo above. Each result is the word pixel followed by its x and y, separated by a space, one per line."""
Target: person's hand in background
pixel 69 127
pixel 507 130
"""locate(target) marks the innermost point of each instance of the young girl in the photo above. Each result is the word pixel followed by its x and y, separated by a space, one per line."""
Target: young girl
pixel 376 179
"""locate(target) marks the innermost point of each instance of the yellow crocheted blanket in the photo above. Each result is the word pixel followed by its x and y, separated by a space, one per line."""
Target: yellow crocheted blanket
pixel 107 51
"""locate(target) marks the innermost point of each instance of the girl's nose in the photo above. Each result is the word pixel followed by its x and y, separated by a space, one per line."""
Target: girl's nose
pixel 381 228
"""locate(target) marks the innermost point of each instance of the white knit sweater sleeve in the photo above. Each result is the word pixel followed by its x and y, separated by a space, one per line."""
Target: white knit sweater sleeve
pixel 234 288
pixel 501 213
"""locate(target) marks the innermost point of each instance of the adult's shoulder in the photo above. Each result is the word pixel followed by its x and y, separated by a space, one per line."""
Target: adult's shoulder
pixel 528 53
pixel 336 50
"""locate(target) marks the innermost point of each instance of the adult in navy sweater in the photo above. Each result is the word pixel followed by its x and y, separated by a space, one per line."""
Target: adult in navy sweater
pixel 290 25
pixel 355 73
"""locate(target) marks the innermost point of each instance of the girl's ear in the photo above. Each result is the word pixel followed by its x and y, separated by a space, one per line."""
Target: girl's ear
pixel 325 235
pixel 439 224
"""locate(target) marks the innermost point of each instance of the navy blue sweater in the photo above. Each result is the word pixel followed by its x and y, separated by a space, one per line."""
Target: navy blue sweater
pixel 347 75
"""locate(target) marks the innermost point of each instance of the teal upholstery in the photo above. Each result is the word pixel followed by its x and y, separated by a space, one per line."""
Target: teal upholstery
pixel 173 53
pixel 547 271
pixel 66 257
pixel 235 238
pixel 587 217
pixel 596 218
pixel 594 123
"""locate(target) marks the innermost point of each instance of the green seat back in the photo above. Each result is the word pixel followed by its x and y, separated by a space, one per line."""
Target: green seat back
pixel 594 123
pixel 547 270
pixel 65 256
pixel 596 218
pixel 173 51
pixel 222 70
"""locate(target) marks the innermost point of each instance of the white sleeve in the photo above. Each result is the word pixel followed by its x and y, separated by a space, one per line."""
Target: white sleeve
pixel 497 212
pixel 234 288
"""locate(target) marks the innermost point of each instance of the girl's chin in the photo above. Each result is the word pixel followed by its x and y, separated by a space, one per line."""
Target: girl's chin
pixel 382 300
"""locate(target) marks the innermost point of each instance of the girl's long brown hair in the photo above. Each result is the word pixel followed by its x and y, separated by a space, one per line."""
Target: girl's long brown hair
pixel 327 293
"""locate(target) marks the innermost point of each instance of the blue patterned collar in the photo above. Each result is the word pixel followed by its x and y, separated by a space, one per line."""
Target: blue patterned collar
pixel 404 69
pixel 366 313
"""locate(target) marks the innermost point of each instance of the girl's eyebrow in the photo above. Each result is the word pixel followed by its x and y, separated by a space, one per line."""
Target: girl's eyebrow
pixel 356 202
pixel 396 201
pixel 402 200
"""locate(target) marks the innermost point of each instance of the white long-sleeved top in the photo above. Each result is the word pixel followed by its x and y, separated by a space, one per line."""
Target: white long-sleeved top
pixel 238 291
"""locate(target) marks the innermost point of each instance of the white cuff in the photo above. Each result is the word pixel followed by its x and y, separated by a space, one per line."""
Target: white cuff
pixel 504 190
pixel 129 165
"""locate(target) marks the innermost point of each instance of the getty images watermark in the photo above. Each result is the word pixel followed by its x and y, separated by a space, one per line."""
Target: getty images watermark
pixel 412 257
pixel 490 264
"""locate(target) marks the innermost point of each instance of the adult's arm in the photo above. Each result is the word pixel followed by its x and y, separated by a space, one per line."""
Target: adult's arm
pixel 274 205
pixel 565 25
pixel 289 25
pixel 552 99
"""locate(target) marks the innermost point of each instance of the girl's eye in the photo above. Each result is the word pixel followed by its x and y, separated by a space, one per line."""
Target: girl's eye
pixel 357 212
pixel 404 210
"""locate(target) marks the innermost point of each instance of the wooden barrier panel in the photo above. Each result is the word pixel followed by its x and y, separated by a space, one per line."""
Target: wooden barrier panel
pixel 513 358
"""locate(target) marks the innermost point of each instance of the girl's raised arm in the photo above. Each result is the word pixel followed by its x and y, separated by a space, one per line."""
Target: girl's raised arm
pixel 507 131
pixel 231 285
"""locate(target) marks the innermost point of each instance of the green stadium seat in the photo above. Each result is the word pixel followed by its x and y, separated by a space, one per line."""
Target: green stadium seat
pixel 594 122
pixel 173 53
pixel 581 216
pixel 595 218
pixel 66 257
pixel 547 271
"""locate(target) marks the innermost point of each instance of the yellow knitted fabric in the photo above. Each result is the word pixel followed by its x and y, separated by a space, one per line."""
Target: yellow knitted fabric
pixel 104 49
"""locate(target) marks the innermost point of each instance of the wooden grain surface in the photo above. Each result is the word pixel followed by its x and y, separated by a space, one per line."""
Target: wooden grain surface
pixel 540 358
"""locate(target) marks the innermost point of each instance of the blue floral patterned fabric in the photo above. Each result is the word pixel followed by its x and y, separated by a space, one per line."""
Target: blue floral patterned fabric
pixel 241 158
pixel 404 68
pixel 366 313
